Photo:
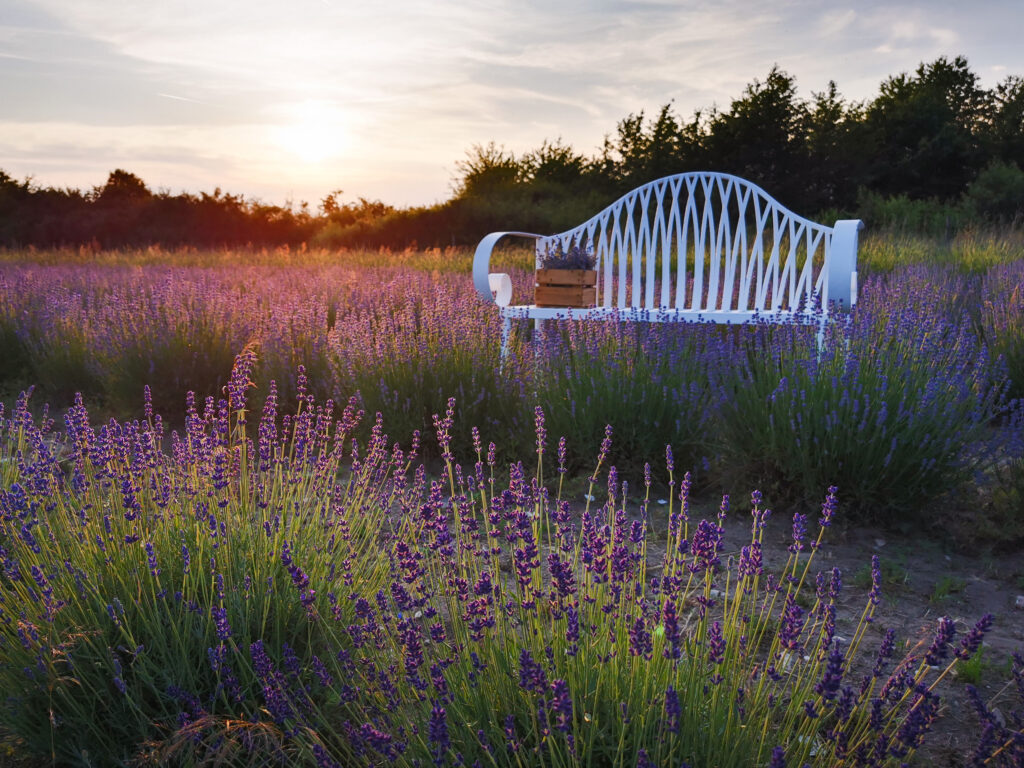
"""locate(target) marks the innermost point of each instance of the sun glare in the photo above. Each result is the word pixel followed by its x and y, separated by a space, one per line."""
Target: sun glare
pixel 312 131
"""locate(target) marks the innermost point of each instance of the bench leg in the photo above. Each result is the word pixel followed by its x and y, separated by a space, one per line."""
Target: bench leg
pixel 538 337
pixel 506 333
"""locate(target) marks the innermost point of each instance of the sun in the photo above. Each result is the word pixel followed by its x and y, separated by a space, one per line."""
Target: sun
pixel 312 131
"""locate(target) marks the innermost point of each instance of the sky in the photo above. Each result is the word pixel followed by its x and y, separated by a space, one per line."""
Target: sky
pixel 287 102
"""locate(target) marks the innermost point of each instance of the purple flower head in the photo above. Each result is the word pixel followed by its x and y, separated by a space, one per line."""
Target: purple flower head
pixel 643 760
pixel 438 733
pixel 640 643
pixel 799 533
pixel 707 540
pixel 572 629
pixel 716 643
pixel 561 705
pixel 670 620
pixel 539 429
pixel 602 454
pixel 971 642
pixel 792 624
pixel 885 651
pixel 835 584
pixel 531 674
pixel 828 509
pixel 151 560
pixel 923 712
pixel 562 453
pixel 751 560
pixel 673 709
pixel 562 577
pixel 832 677
pixel 876 580
pixel 940 643
pixel 510 733
pixel 778 758
pixel 220 621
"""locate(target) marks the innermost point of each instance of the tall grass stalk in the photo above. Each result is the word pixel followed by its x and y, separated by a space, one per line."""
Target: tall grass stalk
pixel 280 592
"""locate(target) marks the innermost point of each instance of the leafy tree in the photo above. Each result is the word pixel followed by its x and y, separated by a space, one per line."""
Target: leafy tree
pixel 926 129
pixel 762 138
pixel 554 164
pixel 836 150
pixel 488 170
pixel 642 151
pixel 998 193
pixel 1006 129
pixel 122 187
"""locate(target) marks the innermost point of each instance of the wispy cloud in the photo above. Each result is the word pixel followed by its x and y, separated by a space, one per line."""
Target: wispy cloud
pixel 408 86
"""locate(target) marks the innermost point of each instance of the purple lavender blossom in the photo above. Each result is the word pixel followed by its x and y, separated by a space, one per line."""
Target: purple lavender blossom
pixel 561 705
pixel 673 710
pixel 220 620
pixel 531 674
pixel 940 643
pixel 716 643
pixel 832 677
pixel 971 642
pixel 438 734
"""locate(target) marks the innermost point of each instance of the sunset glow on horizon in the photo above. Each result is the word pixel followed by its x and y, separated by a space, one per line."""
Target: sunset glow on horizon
pixel 287 103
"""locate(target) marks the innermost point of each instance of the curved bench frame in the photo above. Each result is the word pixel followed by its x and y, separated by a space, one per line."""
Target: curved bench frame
pixel 697 247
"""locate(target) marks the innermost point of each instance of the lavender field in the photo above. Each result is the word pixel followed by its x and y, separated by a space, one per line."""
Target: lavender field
pixel 361 541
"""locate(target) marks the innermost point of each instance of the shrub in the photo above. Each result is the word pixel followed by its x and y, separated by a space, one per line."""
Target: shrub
pixel 649 381
pixel 250 596
pixel 415 343
pixel 997 194
pixel 1002 320
pixel 895 410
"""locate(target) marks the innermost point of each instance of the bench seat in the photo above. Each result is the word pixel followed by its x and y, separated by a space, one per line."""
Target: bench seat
pixel 694 247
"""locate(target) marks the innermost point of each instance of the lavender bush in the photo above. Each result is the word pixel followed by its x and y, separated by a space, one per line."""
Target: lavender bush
pixel 405 331
pixel 1002 320
pixel 589 371
pixel 419 341
pixel 897 408
pixel 280 593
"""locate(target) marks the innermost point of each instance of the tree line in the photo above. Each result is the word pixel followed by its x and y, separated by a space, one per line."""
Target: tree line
pixel 932 145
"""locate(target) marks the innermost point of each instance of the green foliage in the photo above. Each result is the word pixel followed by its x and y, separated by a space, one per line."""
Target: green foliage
pixel 970 671
pixel 997 194
pixel 893 572
pixel 927 128
pixel 250 594
pixel 945 588
pixel 407 359
pixel 1002 521
pixel 877 412
pixel 588 374
pixel 902 214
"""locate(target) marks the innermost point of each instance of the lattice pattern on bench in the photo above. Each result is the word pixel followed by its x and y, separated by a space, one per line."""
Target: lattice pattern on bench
pixel 698 247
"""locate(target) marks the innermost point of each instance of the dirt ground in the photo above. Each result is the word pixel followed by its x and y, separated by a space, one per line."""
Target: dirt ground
pixel 922 581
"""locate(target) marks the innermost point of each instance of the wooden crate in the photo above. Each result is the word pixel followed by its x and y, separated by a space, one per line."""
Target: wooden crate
pixel 565 288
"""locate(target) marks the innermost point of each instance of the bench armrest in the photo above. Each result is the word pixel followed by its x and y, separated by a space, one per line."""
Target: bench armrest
pixel 842 268
pixel 482 261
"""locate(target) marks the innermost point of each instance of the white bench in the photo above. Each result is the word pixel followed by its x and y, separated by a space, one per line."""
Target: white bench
pixel 696 247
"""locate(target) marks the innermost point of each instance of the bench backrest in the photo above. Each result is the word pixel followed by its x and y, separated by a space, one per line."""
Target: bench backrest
pixel 714 242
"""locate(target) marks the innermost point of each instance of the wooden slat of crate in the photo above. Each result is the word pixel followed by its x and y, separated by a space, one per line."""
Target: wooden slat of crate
pixel 567 277
pixel 564 296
